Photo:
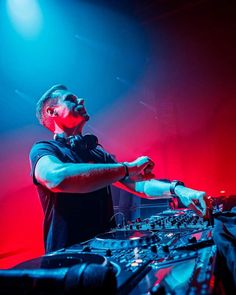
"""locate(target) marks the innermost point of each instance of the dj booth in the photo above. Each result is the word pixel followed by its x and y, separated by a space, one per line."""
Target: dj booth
pixel 171 252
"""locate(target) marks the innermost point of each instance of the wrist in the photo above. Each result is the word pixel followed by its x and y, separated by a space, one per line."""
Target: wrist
pixel 126 169
pixel 175 185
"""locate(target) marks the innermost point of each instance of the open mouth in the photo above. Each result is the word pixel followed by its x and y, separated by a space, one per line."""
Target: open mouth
pixel 83 111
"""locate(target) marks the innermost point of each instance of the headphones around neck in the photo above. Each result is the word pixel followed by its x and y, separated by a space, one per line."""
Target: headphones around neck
pixel 78 142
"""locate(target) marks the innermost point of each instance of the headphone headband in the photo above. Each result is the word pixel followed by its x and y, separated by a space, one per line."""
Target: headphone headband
pixel 76 142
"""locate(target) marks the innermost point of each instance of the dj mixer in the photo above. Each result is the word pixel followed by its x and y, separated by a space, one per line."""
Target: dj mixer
pixel 168 253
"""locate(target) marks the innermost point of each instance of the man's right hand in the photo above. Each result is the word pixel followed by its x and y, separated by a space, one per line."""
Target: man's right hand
pixel 140 169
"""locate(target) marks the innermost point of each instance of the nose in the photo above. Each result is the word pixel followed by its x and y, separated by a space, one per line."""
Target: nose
pixel 81 101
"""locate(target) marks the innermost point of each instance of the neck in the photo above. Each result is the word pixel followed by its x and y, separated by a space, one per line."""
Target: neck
pixel 69 131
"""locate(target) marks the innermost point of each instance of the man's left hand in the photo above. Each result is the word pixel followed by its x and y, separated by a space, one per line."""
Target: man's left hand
pixel 193 199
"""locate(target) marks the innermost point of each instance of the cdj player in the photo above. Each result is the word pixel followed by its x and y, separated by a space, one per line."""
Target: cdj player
pixel 168 253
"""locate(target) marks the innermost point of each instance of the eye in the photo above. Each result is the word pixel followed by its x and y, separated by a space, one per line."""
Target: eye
pixel 71 98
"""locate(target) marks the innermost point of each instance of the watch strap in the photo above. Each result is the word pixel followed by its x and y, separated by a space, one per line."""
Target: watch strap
pixel 173 185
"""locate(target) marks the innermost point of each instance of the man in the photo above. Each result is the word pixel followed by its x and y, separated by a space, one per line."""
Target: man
pixel 73 174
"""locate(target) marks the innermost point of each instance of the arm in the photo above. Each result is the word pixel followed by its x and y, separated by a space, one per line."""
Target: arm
pixel 153 189
pixel 76 178
pixel 82 177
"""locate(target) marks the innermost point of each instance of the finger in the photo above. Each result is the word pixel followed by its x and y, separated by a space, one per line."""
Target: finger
pixel 209 201
pixel 150 162
pixel 144 166
pixel 145 159
pixel 143 177
pixel 141 161
pixel 138 177
pixel 197 210
pixel 203 204
pixel 148 169
pixel 148 176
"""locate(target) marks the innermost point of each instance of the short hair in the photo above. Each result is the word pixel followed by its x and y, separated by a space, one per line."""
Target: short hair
pixel 44 101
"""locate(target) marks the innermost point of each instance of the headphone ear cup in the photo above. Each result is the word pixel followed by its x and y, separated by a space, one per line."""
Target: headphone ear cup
pixel 76 142
pixel 79 142
pixel 86 142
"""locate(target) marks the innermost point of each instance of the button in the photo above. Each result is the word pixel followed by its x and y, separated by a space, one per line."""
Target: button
pixel 184 255
pixel 123 260
pixel 108 252
pixel 192 239
pixel 154 248
pixel 165 248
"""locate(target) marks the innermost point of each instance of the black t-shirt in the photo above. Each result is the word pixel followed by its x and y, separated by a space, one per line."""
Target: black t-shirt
pixel 71 218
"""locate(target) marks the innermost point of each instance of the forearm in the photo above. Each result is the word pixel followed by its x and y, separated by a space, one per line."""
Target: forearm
pixel 84 178
pixel 149 188
pixel 153 188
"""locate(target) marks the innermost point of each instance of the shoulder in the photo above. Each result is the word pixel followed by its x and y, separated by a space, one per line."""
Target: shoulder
pixel 109 158
pixel 45 147
pixel 44 144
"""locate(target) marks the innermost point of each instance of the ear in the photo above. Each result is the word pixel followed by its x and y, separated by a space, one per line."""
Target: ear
pixel 51 111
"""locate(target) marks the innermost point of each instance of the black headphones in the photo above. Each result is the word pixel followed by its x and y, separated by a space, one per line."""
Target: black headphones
pixel 78 142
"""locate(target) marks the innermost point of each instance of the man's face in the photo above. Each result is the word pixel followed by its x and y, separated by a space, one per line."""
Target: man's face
pixel 70 110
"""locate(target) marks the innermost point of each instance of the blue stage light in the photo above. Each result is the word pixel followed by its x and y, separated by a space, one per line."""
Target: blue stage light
pixel 26 16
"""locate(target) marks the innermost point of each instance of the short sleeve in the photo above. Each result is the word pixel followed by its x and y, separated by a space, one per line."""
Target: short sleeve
pixel 107 157
pixel 110 158
pixel 39 150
